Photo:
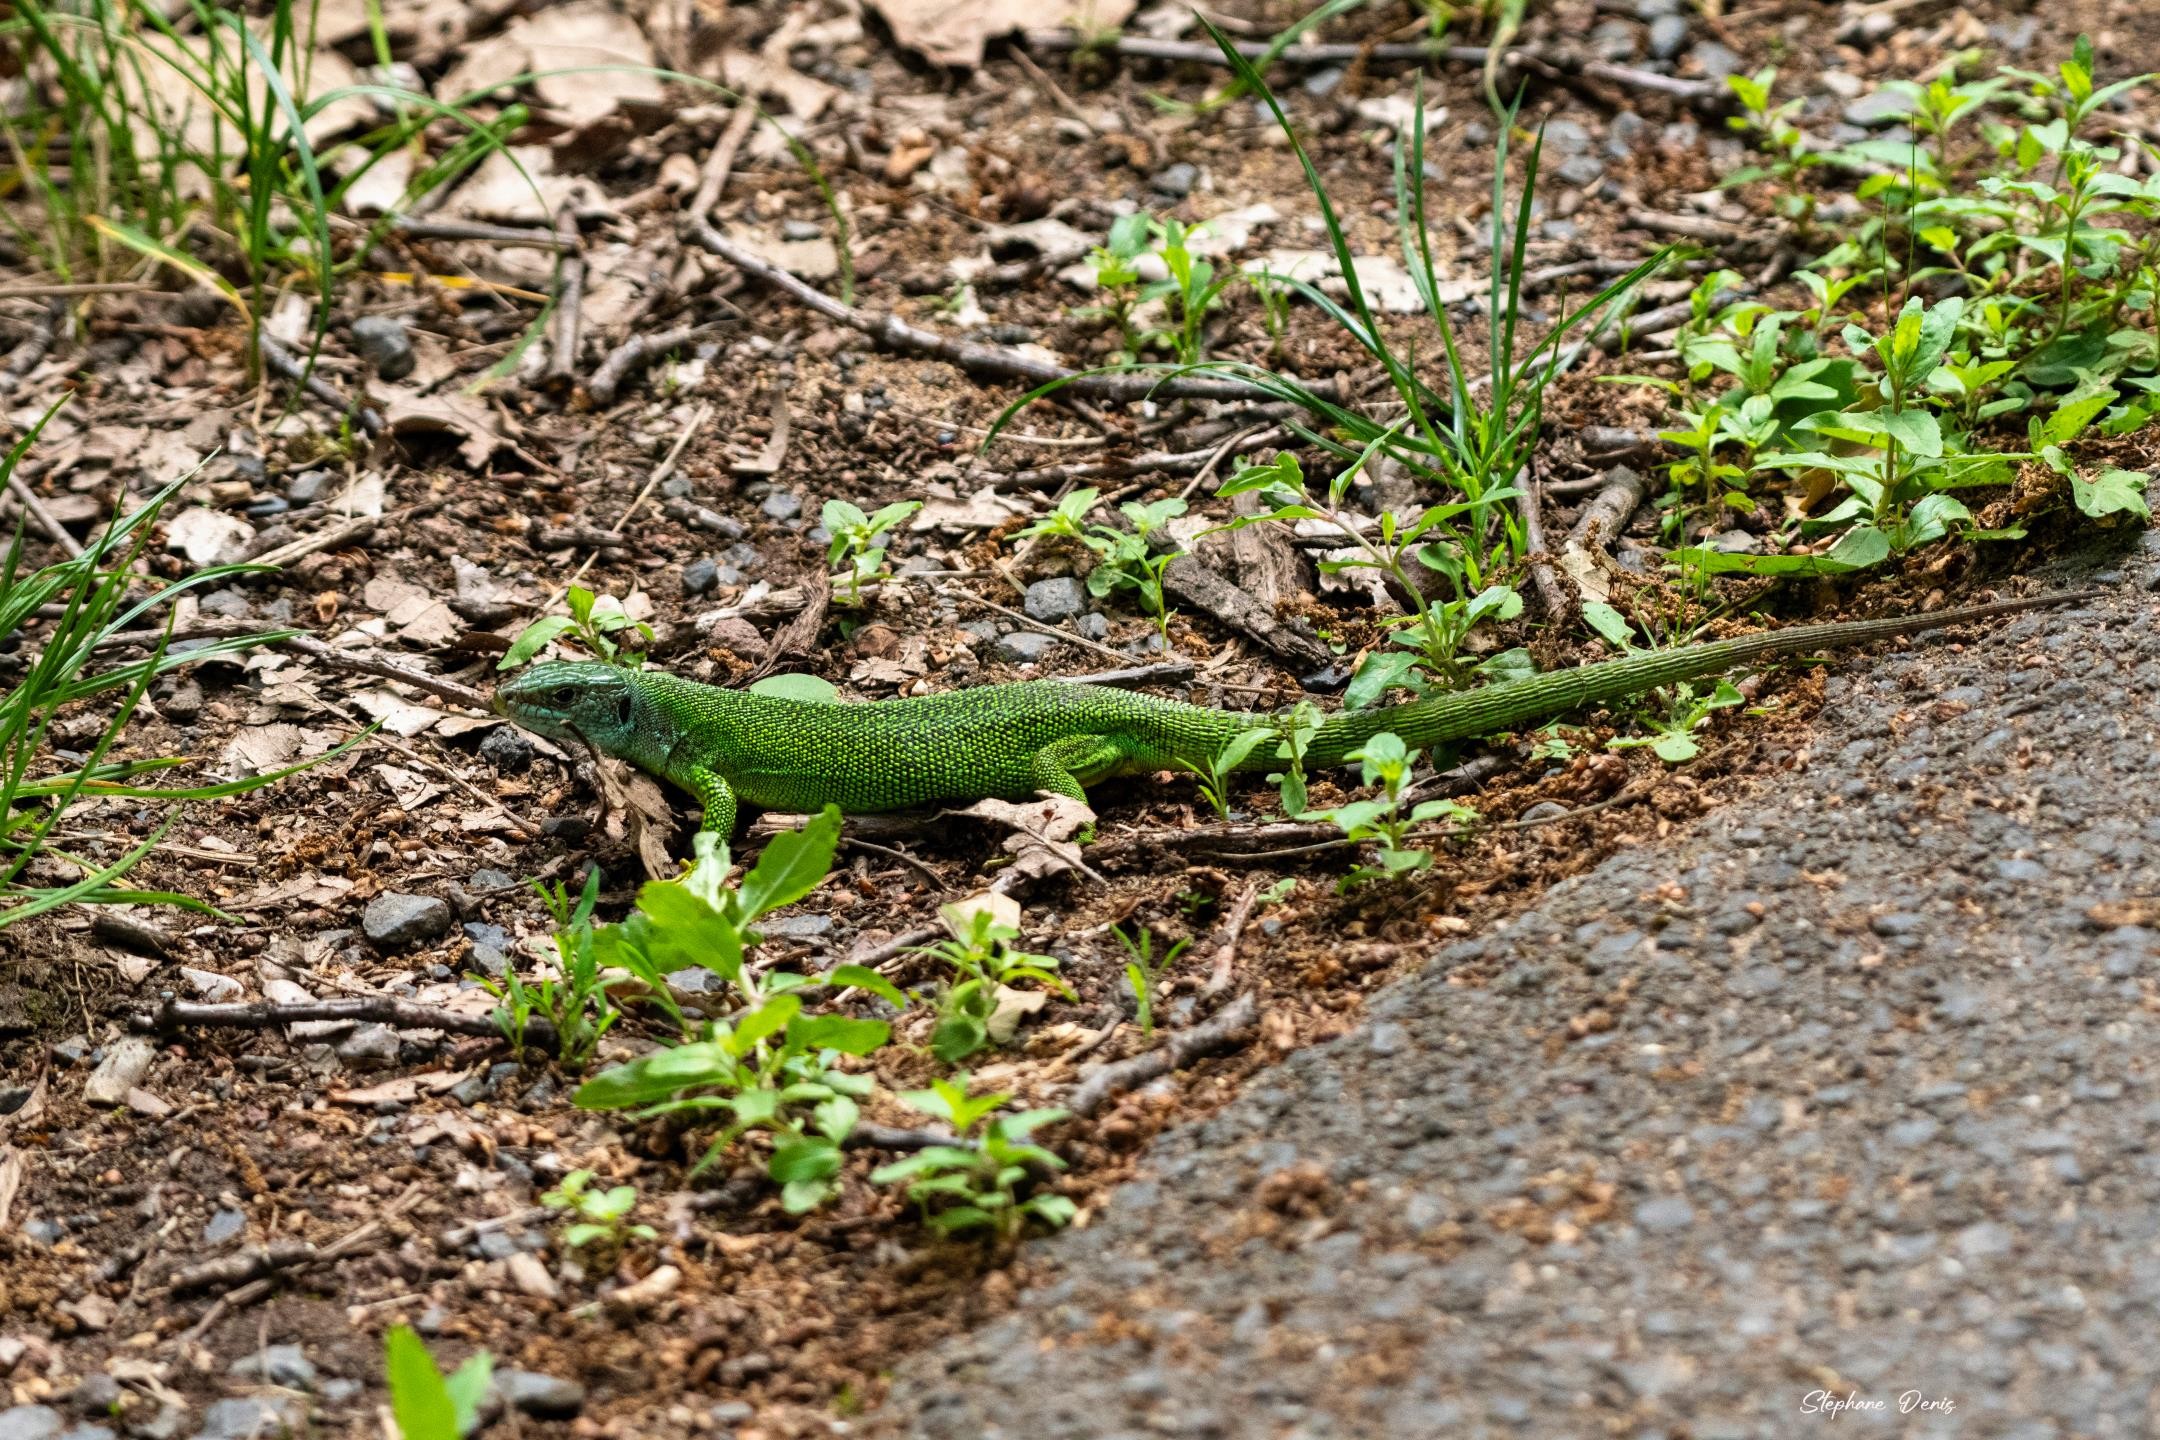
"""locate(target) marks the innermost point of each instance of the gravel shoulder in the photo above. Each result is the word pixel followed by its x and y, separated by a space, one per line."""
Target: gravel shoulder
pixel 1841 1094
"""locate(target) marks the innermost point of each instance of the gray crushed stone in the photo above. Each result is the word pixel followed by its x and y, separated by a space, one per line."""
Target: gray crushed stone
pixel 1876 1120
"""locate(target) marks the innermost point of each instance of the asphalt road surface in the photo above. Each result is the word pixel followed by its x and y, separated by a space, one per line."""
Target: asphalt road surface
pixel 1870 1147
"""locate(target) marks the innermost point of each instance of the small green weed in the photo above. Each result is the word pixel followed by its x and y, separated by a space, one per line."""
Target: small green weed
pixel 593 622
pixel 978 1187
pixel 983 961
pixel 1383 821
pixel 772 1067
pixel 575 1002
pixel 855 538
pixel 426 1404
pixel 1144 972
pixel 55 666
pixel 601 1213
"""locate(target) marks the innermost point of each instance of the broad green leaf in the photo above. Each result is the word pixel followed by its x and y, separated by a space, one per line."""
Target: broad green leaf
pixel 419 1400
pixel 862 977
pixel 1675 747
pixel 794 863
pixel 808 688
pixel 1609 623
pixel 657 1076
pixel 2111 491
pixel 1380 671
pixel 838 1032
pixel 533 639
pixel 810 1158
pixel 768 1020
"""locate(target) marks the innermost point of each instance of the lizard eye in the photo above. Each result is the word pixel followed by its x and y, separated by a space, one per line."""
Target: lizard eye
pixel 564 697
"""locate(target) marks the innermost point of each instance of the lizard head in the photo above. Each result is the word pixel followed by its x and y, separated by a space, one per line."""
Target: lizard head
pixel 571 702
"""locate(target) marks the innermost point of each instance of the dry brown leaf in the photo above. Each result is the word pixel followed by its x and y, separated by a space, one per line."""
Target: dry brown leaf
pixel 953 32
pixel 465 416
pixel 1043 829
pixel 638 807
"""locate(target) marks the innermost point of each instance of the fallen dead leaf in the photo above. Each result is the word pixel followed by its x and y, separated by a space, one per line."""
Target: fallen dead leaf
pixel 208 537
pixel 1041 842
pixel 954 32
pixel 466 417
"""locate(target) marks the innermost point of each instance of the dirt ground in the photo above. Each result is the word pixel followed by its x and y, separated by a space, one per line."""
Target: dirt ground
pixel 411 1162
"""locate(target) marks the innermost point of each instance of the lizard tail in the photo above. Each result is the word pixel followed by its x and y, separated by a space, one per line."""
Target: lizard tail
pixel 1515 703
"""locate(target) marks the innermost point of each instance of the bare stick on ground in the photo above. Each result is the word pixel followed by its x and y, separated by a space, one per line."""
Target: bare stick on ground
pixel 1225 1030
pixel 360 1010
pixel 569 302
pixel 997 362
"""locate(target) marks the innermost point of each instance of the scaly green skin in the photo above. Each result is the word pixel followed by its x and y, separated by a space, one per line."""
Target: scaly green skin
pixel 1010 741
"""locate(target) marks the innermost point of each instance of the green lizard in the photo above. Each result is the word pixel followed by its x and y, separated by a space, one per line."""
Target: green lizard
pixel 1011 741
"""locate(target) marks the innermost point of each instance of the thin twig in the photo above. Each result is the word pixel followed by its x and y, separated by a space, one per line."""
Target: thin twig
pixel 1133 677
pixel 509 236
pixel 721 163
pixel 1227 1028
pixel 1233 931
pixel 936 882
pixel 359 1009
pixel 635 354
pixel 1530 505
pixel 569 301
pixel 1019 618
pixel 383 669
pixel 998 362
pixel 282 364
pixel 666 467
pixel 23 495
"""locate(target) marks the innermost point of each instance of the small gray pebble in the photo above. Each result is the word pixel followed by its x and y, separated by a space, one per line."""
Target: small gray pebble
pixel 383 343
pixel 701 576
pixel 1025 647
pixel 782 505
pixel 284 1365
pixel 223 1226
pixel 396 919
pixel 543 1396
pixel 1175 181
pixel 1054 600
pixel 1668 36
pixel 507 750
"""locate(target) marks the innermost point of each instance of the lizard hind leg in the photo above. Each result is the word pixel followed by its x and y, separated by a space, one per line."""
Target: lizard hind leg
pixel 1069 766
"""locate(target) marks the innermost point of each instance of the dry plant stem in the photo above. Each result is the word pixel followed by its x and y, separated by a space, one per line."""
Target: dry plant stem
pixel 996 362
pixel 360 1010
pixel 355 1239
pixel 569 301
pixel 511 236
pixel 721 163
pixel 1224 1030
pixel 34 347
pixel 1233 931
pixel 666 467
pixel 253 1263
pixel 1530 505
pixel 1201 52
pixel 383 669
pixel 19 490
pixel 1134 677
pixel 282 363
pixel 1609 510
pixel 635 354
pixel 1611 441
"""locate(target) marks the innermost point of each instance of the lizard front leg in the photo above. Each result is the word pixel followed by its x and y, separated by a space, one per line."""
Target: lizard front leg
pixel 718 798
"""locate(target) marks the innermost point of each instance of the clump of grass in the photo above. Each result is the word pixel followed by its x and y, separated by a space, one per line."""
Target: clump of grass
pixel 59 621
pixel 1463 437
